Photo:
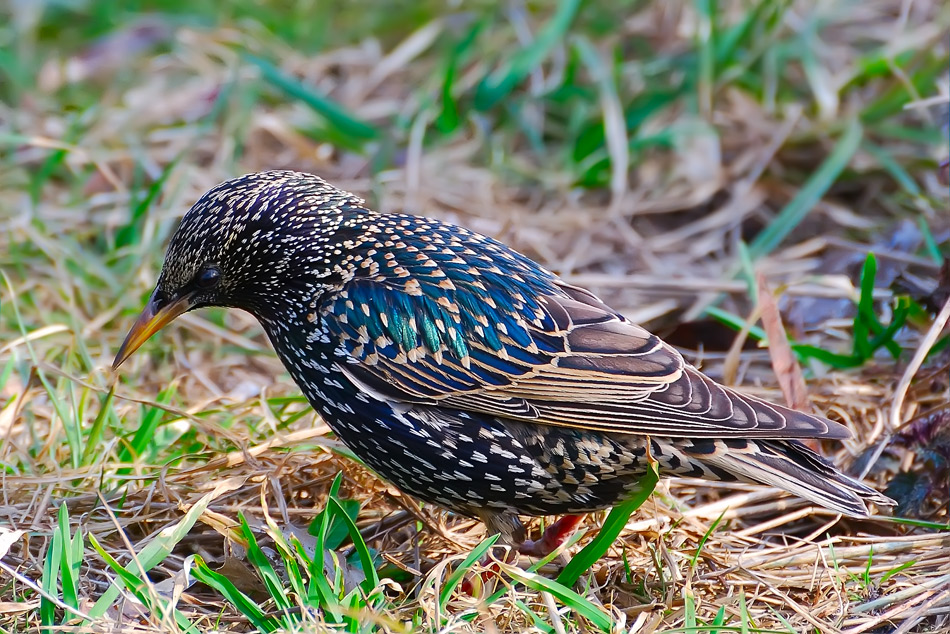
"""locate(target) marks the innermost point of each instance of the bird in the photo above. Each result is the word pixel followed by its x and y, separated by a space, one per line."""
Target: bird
pixel 466 374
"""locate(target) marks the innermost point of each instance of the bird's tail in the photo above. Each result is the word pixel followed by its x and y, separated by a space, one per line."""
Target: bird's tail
pixel 788 465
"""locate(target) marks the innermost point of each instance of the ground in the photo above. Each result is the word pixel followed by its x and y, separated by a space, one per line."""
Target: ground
pixel 698 165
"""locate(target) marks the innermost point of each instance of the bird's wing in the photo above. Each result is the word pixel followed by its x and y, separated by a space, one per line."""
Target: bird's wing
pixel 557 357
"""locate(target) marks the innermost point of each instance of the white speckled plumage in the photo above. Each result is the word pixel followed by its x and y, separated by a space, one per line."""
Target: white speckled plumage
pixel 468 375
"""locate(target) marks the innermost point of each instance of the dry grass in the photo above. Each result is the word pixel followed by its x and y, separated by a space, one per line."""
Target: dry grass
pixel 87 131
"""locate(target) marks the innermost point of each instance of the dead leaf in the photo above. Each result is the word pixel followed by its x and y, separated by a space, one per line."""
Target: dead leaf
pixel 784 363
pixel 8 538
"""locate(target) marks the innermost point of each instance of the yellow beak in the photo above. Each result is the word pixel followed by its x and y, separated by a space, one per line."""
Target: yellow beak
pixel 153 318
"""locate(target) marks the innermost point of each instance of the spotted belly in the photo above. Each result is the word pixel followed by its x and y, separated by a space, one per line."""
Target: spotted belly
pixel 471 463
pixel 468 463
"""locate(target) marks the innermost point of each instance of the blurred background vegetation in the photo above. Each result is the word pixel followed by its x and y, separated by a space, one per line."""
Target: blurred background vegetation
pixel 660 153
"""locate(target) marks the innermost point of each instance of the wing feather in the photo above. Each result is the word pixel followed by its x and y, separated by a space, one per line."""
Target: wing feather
pixel 548 353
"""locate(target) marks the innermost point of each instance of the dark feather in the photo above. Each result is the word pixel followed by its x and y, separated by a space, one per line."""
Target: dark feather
pixel 526 346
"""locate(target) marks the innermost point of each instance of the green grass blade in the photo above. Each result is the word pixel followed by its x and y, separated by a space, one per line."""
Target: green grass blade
pixel 145 433
pixel 536 619
pixel 689 609
pixel 616 520
pixel 706 12
pixel 260 562
pixel 95 432
pixel 496 87
pixel 834 360
pixel 335 114
pixel 719 620
pixel 745 619
pixel 242 603
pixel 808 196
pixel 540 563
pixel 895 570
pixel 627 570
pixel 450 116
pixel 296 580
pixel 162 544
pixel 705 538
pixel 892 167
pixel 891 102
pixel 568 597
pixel 51 568
pixel 747 271
pixel 69 564
pixel 138 587
pixel 866 321
pixel 336 531
pixel 865 312
pixel 319 590
pixel 731 38
pixel 459 573
pixel 885 337
pixel 132 583
pixel 6 372
pixel 131 232
pixel 288 554
pixel 71 426
pixel 56 158
pixel 362 550
pixel 933 249
pixel 736 323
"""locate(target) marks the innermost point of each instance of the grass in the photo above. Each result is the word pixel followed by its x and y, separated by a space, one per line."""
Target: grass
pixel 661 154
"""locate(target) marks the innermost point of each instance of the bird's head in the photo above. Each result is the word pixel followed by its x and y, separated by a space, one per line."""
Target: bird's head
pixel 259 242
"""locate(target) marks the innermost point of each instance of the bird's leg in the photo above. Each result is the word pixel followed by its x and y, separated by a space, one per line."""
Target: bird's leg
pixel 554 535
pixel 511 533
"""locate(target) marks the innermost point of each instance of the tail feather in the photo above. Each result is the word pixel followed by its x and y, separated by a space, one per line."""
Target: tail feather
pixel 791 466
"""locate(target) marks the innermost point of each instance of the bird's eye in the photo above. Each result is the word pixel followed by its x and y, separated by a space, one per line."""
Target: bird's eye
pixel 207 278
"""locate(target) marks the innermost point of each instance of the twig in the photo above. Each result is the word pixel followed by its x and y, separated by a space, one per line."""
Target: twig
pixel 922 610
pixel 925 345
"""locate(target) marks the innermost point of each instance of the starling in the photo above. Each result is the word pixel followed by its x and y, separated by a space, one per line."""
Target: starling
pixel 465 373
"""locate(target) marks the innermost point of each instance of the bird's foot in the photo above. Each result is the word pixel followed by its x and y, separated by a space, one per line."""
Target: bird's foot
pixel 554 535
pixel 552 539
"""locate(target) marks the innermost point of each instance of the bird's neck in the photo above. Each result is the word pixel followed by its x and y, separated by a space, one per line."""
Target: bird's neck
pixel 314 360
